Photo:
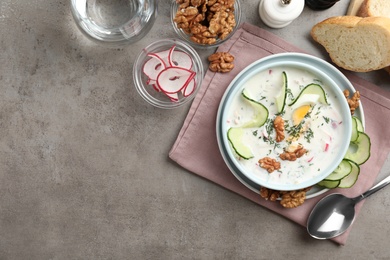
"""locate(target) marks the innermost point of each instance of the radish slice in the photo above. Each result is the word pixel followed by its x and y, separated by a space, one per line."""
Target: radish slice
pixel 173 79
pixel 189 89
pixel 180 59
pixel 164 55
pixel 153 67
pixel 173 97
pixel 153 83
pixel 155 86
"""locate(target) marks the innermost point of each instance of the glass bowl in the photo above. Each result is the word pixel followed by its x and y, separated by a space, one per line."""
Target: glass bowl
pixel 186 37
pixel 147 86
pixel 116 22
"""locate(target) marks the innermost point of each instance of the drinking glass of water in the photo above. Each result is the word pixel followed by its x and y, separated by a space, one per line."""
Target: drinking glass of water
pixel 114 22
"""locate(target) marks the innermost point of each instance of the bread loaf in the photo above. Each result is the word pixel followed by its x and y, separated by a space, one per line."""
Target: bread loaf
pixel 374 8
pixel 355 43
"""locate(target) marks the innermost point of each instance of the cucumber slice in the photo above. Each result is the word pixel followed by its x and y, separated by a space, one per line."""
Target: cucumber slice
pixel 261 112
pixel 359 150
pixel 342 170
pixel 235 135
pixel 329 184
pixel 351 179
pixel 359 124
pixel 281 98
pixel 355 133
pixel 312 89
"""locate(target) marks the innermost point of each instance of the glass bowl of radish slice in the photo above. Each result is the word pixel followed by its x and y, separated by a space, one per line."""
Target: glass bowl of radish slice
pixel 168 73
pixel 217 40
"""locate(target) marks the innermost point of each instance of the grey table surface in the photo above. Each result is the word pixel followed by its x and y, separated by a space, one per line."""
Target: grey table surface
pixel 84 167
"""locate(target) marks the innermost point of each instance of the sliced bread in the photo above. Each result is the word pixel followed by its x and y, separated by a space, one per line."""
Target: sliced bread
pixel 355 43
pixel 374 8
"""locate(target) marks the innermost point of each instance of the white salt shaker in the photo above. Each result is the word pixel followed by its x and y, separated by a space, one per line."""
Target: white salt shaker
pixel 280 13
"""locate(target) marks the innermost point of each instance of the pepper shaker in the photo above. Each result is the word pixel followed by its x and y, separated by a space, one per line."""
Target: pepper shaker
pixel 280 13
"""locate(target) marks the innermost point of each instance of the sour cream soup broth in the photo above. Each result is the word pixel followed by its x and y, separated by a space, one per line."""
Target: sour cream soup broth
pixel 320 132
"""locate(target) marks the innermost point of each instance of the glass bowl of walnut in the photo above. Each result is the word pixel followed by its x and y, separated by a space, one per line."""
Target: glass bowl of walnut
pixel 205 24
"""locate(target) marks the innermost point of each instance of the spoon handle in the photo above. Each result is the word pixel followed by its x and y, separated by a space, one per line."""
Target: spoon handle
pixel 374 189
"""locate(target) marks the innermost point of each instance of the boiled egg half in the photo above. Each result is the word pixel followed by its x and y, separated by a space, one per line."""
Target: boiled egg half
pixel 302 106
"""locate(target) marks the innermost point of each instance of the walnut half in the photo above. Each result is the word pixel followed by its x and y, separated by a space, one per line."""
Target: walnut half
pixel 353 102
pixel 292 156
pixel 269 164
pixel 268 194
pixel 293 199
pixel 288 199
pixel 279 128
pixel 221 62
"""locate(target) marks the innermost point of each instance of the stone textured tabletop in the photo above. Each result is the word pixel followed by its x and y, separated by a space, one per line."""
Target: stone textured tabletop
pixel 84 167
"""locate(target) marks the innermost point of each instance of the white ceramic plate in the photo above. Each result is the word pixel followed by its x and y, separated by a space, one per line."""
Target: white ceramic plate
pixel 318 66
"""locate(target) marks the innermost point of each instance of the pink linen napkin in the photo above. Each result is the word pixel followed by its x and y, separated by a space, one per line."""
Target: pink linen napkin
pixel 196 147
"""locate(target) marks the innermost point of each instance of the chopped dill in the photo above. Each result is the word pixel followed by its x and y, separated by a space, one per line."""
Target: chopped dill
pixel 318 111
pixel 286 124
pixel 281 113
pixel 327 120
pixel 318 81
pixel 308 135
pixel 269 128
pixel 289 93
pixel 296 130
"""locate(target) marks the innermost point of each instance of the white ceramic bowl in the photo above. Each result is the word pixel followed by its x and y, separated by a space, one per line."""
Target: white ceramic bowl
pixel 335 81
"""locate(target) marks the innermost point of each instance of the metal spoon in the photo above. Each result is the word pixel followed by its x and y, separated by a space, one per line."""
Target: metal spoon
pixel 334 213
